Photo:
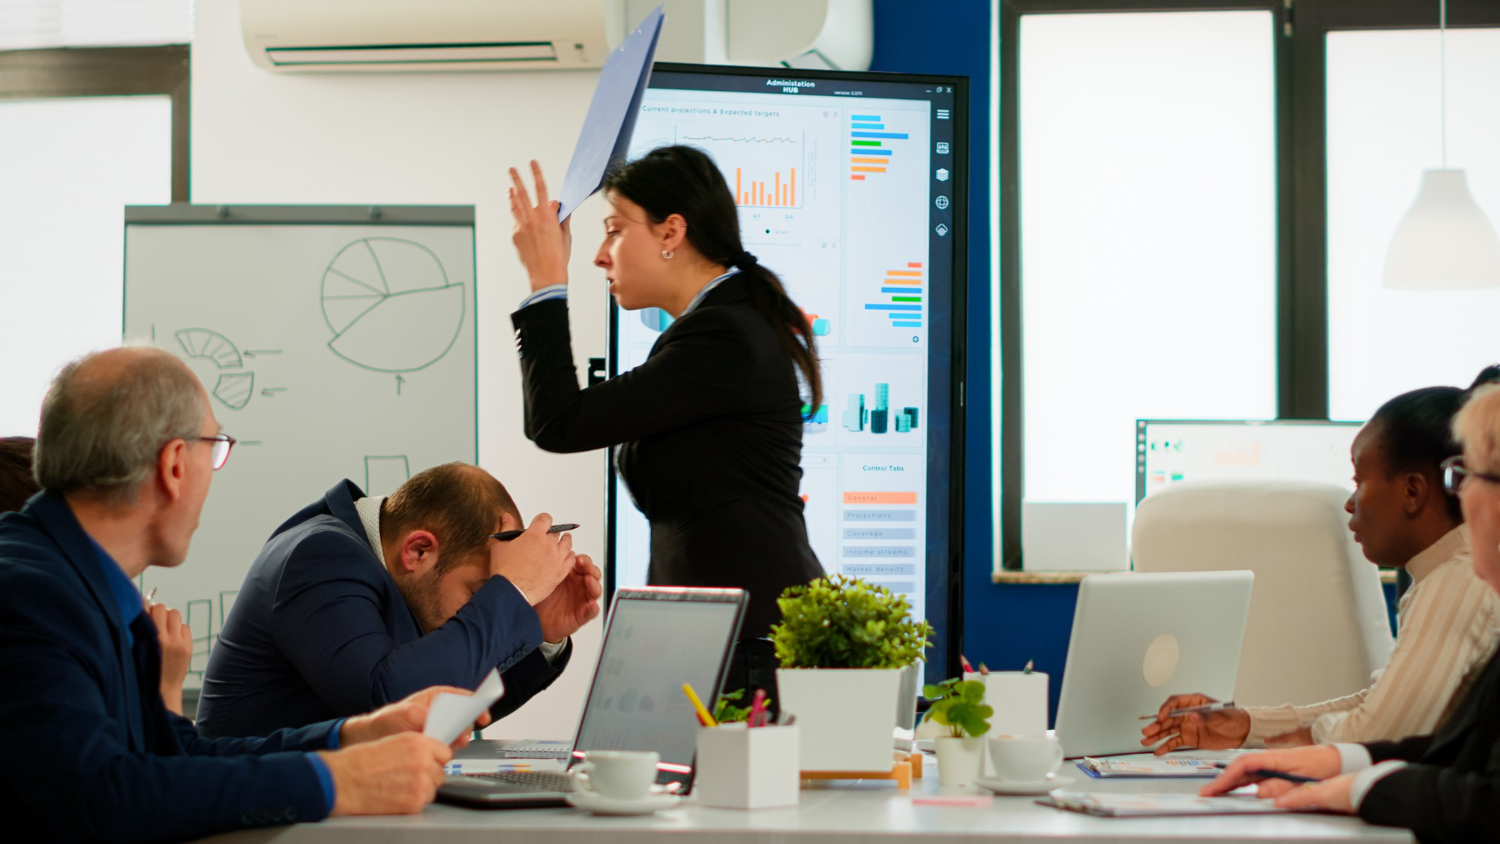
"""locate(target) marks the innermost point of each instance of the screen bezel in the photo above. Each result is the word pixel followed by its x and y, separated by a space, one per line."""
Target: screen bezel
pixel 945 567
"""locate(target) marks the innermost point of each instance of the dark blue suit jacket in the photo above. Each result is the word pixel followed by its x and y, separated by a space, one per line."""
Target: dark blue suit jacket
pixel 90 752
pixel 320 630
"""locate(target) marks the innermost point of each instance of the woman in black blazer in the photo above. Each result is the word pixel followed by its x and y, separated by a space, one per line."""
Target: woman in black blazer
pixel 709 427
pixel 1444 787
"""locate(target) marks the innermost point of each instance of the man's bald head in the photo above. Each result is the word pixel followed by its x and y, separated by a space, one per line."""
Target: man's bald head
pixel 107 416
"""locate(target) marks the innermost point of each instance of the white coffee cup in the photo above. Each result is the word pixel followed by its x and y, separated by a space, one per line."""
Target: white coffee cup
pixel 1025 758
pixel 616 774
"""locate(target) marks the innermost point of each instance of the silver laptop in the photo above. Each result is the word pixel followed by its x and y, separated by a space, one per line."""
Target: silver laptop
pixel 656 639
pixel 1140 638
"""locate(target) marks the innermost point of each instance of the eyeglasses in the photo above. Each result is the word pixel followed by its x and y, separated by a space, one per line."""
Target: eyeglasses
pixel 221 446
pixel 1455 473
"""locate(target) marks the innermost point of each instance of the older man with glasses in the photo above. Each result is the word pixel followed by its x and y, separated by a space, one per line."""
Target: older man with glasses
pixel 125 456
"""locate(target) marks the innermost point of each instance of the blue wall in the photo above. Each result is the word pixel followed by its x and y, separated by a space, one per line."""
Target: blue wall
pixel 1003 625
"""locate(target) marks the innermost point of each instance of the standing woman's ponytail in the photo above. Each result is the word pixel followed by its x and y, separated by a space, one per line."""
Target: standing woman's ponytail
pixel 684 180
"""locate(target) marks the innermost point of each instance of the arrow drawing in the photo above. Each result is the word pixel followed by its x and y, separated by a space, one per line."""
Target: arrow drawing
pixel 399 382
pixel 271 391
pixel 253 352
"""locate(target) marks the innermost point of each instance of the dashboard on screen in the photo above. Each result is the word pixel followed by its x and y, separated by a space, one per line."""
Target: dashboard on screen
pixel 1173 451
pixel 851 187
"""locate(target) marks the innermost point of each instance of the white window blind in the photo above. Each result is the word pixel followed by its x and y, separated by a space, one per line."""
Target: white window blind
pixel 35 24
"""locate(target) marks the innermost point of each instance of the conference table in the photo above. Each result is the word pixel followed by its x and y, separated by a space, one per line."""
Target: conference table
pixel 835 813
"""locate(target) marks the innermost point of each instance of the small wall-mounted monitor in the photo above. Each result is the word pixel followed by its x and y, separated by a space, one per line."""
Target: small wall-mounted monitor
pixel 1176 450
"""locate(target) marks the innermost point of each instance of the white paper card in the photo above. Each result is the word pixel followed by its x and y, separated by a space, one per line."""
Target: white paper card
pixel 450 714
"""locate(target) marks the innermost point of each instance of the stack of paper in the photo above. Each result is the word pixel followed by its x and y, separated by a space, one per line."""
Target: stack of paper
pixel 1146 765
pixel 1156 805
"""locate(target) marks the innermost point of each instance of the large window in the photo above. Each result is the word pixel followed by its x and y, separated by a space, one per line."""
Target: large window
pixel 1148 244
pixel 85 133
pixel 1195 202
pixel 1385 128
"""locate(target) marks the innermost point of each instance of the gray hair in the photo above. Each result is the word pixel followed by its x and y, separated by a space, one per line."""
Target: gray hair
pixel 101 432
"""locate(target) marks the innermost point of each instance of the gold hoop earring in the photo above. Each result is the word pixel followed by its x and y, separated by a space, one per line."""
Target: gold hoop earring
pixel 666 254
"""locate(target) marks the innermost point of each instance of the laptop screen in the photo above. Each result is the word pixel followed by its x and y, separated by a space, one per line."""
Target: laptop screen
pixel 657 640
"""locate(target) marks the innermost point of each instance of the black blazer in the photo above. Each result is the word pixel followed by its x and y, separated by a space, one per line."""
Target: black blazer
pixel 710 436
pixel 1451 791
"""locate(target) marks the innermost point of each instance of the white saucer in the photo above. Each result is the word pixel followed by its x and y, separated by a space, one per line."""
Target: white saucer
pixel 1023 788
pixel 601 805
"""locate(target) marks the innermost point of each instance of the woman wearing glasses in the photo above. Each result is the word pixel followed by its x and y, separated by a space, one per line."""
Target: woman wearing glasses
pixel 709 427
pixel 1446 786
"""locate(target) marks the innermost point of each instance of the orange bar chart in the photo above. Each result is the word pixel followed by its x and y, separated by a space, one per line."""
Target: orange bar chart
pixel 780 191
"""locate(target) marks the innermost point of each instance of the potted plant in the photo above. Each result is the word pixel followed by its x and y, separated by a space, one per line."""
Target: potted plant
pixel 958 705
pixel 843 644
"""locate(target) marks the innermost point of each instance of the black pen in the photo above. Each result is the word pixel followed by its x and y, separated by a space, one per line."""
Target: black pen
pixel 508 535
pixel 1274 775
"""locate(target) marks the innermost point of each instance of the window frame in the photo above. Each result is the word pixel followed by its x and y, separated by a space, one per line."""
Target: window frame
pixel 57 73
pixel 1300 66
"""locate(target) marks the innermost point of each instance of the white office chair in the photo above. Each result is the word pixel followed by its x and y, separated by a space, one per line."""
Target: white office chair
pixel 1318 624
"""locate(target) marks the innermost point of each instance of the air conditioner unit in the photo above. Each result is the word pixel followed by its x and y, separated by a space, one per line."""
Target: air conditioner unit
pixel 363 35
pixel 344 35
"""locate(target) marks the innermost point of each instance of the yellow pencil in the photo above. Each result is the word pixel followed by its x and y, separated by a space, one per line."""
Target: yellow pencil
pixel 704 718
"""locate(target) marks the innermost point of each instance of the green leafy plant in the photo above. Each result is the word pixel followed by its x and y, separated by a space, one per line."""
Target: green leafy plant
pixel 726 712
pixel 844 622
pixel 958 704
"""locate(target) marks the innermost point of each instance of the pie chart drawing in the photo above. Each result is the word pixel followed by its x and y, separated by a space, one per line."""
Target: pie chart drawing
pixel 390 305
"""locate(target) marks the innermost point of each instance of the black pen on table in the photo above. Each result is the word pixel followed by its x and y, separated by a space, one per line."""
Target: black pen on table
pixel 1275 775
pixel 508 535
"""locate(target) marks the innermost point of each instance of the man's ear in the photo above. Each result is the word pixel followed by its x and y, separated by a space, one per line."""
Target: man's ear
pixel 419 552
pixel 171 468
pixel 510 521
pixel 1415 493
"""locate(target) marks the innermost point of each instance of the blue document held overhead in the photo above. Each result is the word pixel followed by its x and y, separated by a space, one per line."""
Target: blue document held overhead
pixel 611 118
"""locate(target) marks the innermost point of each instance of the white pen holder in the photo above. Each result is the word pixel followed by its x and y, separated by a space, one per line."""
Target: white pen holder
pixel 1019 699
pixel 740 768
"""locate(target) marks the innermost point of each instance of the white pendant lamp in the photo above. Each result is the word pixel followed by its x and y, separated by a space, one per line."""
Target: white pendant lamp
pixel 1445 242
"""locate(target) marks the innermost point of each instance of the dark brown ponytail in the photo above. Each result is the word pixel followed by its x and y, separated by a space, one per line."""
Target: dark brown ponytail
pixel 684 180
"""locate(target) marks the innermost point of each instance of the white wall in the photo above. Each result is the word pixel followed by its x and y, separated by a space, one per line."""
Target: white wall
pixel 425 138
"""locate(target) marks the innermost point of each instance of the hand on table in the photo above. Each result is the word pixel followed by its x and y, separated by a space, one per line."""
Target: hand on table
pixel 395 775
pixel 408 715
pixel 1320 762
pixel 543 243
pixel 1218 730
pixel 1329 795
pixel 574 603
pixel 176 640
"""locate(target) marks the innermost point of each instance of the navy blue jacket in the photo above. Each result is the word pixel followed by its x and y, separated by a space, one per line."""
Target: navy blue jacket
pixel 90 752
pixel 320 630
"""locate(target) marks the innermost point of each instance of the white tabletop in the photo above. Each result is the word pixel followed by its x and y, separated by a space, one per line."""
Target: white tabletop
pixel 833 812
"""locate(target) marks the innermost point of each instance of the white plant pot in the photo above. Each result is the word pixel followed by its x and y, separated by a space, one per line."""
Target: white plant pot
pixel 959 759
pixel 847 716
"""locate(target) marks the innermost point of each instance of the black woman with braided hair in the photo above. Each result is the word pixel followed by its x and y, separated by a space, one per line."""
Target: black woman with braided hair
pixel 708 430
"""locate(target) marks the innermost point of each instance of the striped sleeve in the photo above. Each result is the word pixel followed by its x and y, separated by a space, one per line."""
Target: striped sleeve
pixel 1447 634
pixel 1448 630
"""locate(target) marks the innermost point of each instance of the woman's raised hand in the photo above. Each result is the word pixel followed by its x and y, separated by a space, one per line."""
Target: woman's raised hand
pixel 543 243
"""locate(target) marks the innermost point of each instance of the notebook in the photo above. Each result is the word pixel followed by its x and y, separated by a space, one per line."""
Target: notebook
pixel 1157 805
pixel 1145 765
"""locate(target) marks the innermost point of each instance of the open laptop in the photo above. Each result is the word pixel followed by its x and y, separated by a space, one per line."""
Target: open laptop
pixel 1140 638
pixel 656 639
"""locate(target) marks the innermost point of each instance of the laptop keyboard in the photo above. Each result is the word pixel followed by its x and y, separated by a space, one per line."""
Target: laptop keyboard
pixel 532 780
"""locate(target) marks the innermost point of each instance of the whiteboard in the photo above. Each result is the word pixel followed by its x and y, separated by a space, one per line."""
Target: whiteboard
pixel 333 342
